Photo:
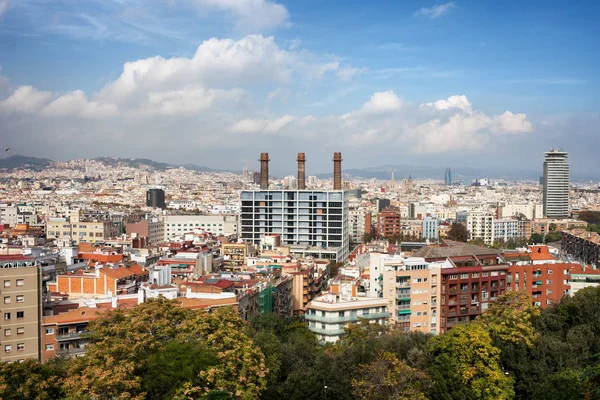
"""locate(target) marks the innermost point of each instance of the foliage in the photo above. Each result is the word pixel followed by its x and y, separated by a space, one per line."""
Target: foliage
pixel 32 380
pixel 536 238
pixel 553 236
pixel 389 378
pixel 591 217
pixel 511 318
pixel 458 232
pixel 367 237
pixel 465 364
pixel 125 344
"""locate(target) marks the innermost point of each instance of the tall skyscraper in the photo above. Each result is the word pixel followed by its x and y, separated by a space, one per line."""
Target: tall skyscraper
pixel 556 184
pixel 448 177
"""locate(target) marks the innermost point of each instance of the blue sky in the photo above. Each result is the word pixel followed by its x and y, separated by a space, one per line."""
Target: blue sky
pixel 382 81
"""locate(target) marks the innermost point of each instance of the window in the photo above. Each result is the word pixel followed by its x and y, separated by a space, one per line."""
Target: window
pixel 20 346
pixel 6 316
pixel 49 347
pixel 20 282
pixel 464 276
pixel 20 331
pixel 7 332
pixel 20 298
pixel 49 331
pixel 6 299
pixel 20 314
pixel 7 348
pixel 7 283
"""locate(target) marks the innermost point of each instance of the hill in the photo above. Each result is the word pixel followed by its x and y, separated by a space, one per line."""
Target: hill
pixel 18 161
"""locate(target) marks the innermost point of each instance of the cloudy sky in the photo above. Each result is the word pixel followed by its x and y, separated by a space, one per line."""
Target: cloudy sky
pixel 215 82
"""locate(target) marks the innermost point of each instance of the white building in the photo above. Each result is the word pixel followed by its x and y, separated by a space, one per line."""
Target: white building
pixel 305 218
pixel 556 184
pixel 329 314
pixel 357 226
pixel 178 225
pixel 508 228
pixel 480 225
pixel 430 228
pixel 529 210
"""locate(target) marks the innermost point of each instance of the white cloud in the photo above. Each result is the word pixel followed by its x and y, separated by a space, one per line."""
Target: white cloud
pixel 3 7
pixel 435 11
pixel 77 104
pixel 509 123
pixel 247 126
pixel 251 15
pixel 382 102
pixel 457 102
pixel 25 99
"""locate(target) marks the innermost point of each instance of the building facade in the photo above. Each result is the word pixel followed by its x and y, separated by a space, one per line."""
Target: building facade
pixel 556 184
pixel 301 217
pixel 221 225
pixel 582 245
pixel 388 223
pixel 430 228
pixel 81 231
pixel 155 198
pixel 21 309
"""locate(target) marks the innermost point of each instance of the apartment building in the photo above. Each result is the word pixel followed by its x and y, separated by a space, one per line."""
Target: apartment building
pixel 508 229
pixel 329 314
pixel 306 218
pixel 80 231
pixel 546 284
pixel 152 228
pixel 235 254
pixel 101 281
pixel 21 308
pixel 430 228
pixel 388 223
pixel 220 225
pixel 556 184
pixel 359 223
pixel 410 286
pixel 471 278
pixel 529 210
pixel 582 245
pixel 481 226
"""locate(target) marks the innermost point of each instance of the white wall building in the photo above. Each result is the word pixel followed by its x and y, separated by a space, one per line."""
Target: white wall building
pixel 178 225
pixel 556 184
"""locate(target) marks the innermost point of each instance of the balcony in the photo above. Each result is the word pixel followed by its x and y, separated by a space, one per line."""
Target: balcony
pixel 327 332
pixel 71 351
pixel 346 318
pixel 402 284
pixel 70 336
pixel 452 303
pixel 453 291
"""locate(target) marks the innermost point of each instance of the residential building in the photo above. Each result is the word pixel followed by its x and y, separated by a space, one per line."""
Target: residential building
pixel 152 228
pixel 306 218
pixel 508 229
pixel 221 225
pixel 528 210
pixel 480 225
pixel 471 278
pixel 582 245
pixel 359 224
pixel 80 231
pixel 21 308
pixel 546 284
pixel 388 223
pixel 235 254
pixel 430 229
pixel 329 314
pixel 556 184
pixel 103 280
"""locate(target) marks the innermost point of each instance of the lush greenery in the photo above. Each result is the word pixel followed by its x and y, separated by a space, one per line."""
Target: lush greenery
pixel 458 232
pixel 161 351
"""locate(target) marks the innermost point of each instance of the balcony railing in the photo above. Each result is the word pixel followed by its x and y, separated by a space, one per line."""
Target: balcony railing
pixel 346 318
pixel 70 336
pixel 327 332
pixel 71 351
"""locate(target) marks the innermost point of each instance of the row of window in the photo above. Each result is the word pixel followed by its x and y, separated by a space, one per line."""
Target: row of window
pixel 20 282
pixel 20 331
pixel 20 314
pixel 8 347
pixel 19 298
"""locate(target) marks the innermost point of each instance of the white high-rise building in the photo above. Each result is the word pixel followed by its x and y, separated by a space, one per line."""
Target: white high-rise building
pixel 556 184
pixel 311 218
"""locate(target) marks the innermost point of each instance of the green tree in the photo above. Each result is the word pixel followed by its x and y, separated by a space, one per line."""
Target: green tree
pixel 465 364
pixel 511 318
pixel 536 238
pixel 591 217
pixel 458 232
pixel 123 343
pixel 553 236
pixel 389 378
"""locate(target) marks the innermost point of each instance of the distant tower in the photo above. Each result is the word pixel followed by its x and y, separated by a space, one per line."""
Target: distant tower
pixel 155 198
pixel 448 177
pixel 556 184
pixel 392 180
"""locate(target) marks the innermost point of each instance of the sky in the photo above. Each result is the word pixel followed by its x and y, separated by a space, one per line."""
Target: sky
pixel 489 84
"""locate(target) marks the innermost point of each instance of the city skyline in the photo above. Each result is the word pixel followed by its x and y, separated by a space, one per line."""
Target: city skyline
pixel 410 80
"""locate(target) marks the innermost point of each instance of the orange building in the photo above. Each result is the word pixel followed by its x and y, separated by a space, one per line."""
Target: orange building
pixel 102 280
pixel 544 283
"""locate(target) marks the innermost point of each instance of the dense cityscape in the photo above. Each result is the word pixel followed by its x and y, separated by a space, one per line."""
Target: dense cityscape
pixel 266 199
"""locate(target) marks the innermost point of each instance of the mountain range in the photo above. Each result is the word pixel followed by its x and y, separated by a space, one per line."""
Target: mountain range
pixel 384 172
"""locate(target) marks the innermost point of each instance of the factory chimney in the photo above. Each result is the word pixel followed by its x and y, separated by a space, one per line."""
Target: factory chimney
pixel 337 171
pixel 301 171
pixel 264 170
